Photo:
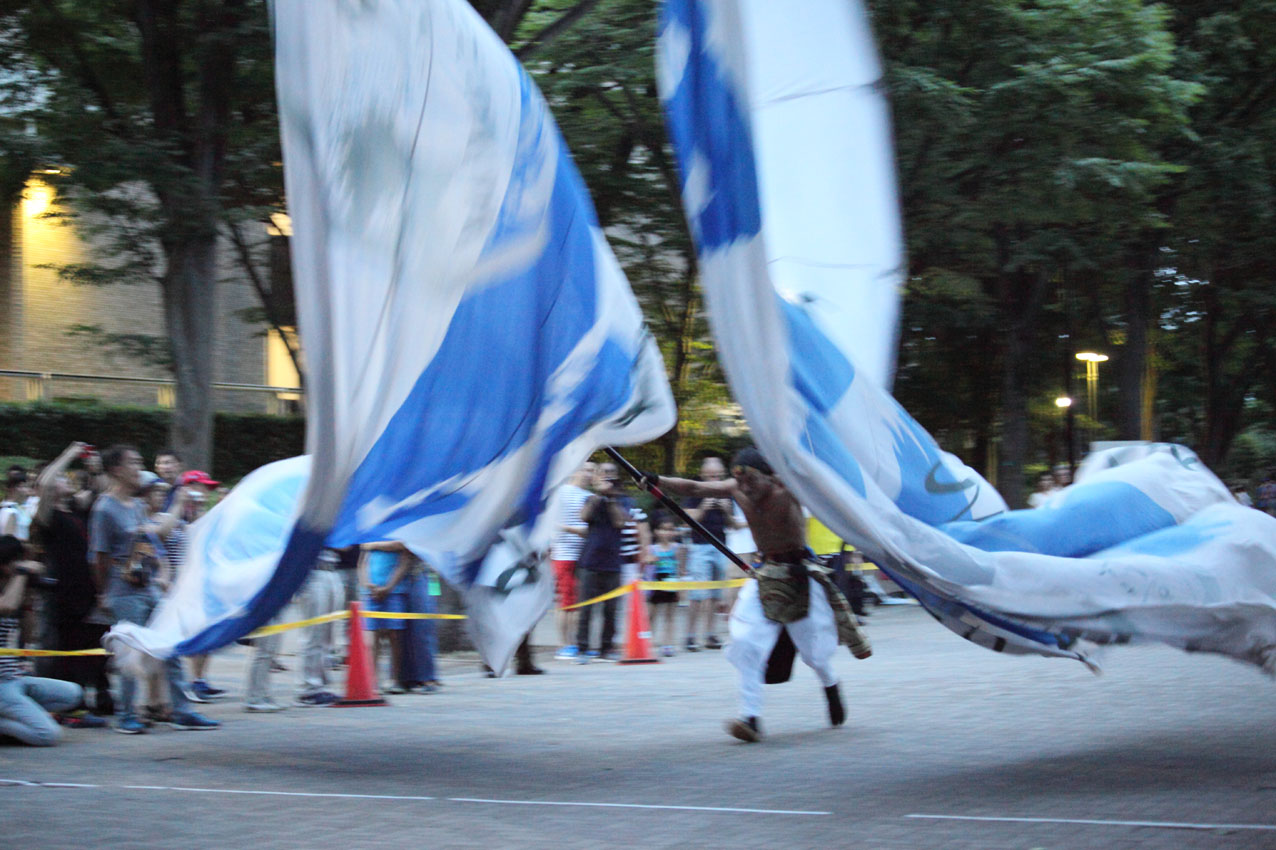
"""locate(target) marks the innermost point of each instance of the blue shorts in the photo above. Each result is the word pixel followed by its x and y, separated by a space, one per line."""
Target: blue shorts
pixel 395 603
pixel 706 563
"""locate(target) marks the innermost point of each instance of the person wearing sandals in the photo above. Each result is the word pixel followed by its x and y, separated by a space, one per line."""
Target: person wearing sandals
pixel 791 606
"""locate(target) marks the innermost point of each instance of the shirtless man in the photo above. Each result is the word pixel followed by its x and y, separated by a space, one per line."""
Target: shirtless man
pixel 792 593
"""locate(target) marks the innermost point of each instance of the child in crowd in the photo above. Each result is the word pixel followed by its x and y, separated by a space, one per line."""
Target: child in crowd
pixel 668 562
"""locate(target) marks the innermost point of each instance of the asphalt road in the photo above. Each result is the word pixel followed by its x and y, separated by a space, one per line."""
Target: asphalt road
pixel 947 745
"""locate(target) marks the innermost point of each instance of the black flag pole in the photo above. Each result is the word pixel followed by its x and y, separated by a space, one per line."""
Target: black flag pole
pixel 676 508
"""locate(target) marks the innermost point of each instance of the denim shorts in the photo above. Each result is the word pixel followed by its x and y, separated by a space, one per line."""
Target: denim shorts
pixel 395 603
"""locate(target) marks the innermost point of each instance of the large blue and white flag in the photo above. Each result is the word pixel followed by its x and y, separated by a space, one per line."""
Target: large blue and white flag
pixel 782 133
pixel 470 338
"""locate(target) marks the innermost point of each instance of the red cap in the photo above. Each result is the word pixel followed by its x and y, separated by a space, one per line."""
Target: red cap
pixel 194 476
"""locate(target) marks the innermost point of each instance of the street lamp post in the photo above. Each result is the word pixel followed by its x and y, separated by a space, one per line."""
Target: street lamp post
pixel 1092 361
pixel 1064 403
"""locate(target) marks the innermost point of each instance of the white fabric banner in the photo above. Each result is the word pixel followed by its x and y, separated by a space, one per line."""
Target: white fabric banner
pixel 781 129
pixel 469 337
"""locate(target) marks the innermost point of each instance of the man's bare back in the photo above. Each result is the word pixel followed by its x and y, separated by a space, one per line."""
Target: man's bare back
pixel 774 515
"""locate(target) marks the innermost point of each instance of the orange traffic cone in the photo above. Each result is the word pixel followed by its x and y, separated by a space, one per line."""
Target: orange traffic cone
pixel 638 643
pixel 361 686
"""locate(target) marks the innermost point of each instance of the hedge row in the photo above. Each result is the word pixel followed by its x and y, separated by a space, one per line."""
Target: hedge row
pixel 241 442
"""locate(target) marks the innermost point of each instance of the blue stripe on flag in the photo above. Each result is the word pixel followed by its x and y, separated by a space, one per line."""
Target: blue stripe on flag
pixel 709 129
pixel 304 546
pixel 480 397
pixel 1092 517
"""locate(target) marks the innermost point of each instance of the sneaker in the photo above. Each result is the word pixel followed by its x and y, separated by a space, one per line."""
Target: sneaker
pixel 319 699
pixel 423 688
pixel 691 645
pixel 393 688
pixel 263 706
pixel 567 653
pixel 130 725
pixel 81 720
pixel 585 658
pixel 192 695
pixel 192 721
pixel 667 651
pixel 711 642
pixel 610 655
pixel 592 653
pixel 207 691
pixel 746 729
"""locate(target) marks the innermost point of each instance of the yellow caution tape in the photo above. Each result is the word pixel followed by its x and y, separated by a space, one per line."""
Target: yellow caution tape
pixel 299 624
pixel 392 615
pixel 334 616
pixel 691 585
pixel 46 653
pixel 611 594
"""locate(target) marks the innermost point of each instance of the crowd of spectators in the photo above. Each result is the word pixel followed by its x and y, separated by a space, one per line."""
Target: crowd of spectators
pixel 94 539
pixel 605 539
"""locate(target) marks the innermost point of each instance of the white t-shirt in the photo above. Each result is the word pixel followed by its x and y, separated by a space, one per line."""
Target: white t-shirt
pixel 11 513
pixel 570 499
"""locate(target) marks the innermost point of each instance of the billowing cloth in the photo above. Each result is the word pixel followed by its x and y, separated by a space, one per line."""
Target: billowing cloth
pixel 469 336
pixel 780 126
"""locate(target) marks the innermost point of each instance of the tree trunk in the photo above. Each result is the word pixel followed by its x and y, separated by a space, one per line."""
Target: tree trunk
pixel 1020 297
pixel 1014 419
pixel 189 310
pixel 1132 369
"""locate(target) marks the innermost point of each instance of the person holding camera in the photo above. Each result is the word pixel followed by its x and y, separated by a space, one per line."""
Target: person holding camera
pixel 121 536
pixel 716 514
pixel 61 525
pixel 604 516
pixel 25 701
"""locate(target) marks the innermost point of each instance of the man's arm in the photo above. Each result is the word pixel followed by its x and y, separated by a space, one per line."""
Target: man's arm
pixel 578 530
pixel 587 511
pixel 644 543
pixel 400 570
pixel 617 513
pixel 703 489
pixel 46 484
pixel 16 589
pixel 384 546
pixel 99 550
pixel 170 518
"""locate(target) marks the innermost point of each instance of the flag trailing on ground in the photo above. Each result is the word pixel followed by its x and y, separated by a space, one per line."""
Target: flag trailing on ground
pixel 469 336
pixel 781 129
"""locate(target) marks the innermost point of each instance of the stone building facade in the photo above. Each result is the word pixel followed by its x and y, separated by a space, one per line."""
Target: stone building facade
pixel 38 312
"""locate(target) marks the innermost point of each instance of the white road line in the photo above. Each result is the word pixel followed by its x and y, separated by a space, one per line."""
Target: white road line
pixel 637 806
pixel 1086 821
pixel 271 793
pixel 723 809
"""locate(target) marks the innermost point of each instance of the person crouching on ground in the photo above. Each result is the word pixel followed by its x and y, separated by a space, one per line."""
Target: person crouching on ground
pixel 25 701
pixel 792 592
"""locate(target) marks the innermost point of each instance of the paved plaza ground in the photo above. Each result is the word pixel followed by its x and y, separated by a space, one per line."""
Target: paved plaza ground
pixel 947 746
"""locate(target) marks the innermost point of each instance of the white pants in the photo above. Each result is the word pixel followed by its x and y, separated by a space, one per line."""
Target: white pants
pixel 265 649
pixel 323 593
pixel 753 637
